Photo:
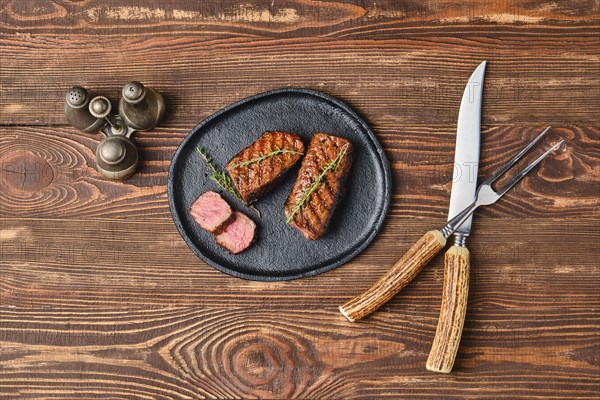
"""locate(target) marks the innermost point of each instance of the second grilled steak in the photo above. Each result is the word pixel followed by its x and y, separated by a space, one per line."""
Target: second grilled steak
pixel 319 185
pixel 257 168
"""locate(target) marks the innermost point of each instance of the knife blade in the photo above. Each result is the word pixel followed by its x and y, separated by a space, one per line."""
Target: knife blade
pixel 466 156
pixel 457 259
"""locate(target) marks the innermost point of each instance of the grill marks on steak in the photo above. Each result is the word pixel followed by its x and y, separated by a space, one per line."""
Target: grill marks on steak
pixel 234 231
pixel 211 211
pixel 255 179
pixel 238 235
pixel 314 217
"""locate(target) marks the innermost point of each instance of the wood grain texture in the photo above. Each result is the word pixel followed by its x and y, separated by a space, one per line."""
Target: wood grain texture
pixel 203 57
pixel 82 262
pixel 452 311
pixel 59 179
pixel 396 278
pixel 100 297
pixel 196 352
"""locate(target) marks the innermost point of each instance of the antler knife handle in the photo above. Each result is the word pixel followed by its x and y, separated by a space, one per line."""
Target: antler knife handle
pixel 452 312
pixel 396 278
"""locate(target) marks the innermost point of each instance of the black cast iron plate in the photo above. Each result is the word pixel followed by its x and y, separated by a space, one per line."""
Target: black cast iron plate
pixel 280 251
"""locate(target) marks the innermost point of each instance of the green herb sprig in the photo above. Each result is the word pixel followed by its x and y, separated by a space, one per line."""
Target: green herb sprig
pixel 219 176
pixel 330 166
pixel 262 157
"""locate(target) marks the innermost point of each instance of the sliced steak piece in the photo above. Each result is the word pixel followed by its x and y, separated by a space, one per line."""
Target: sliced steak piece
pixel 319 186
pixel 260 166
pixel 238 235
pixel 211 212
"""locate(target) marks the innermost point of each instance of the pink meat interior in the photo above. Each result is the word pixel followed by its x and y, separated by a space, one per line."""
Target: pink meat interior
pixel 210 211
pixel 238 235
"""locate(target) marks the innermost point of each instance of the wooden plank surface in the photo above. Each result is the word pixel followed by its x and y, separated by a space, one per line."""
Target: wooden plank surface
pixel 100 297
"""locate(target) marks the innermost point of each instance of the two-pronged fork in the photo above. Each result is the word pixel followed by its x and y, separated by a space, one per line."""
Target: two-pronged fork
pixel 486 195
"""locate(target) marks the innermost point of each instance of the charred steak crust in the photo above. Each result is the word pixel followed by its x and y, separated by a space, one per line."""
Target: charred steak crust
pixel 314 217
pixel 253 178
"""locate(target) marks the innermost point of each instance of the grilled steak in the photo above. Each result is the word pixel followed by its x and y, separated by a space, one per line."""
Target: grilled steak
pixel 211 212
pixel 319 185
pixel 238 235
pixel 260 166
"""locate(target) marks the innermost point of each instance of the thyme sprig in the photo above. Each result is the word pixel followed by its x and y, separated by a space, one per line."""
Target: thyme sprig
pixel 219 176
pixel 262 157
pixel 330 166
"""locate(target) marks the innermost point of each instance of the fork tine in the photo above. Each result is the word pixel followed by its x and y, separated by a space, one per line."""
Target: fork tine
pixel 516 158
pixel 524 172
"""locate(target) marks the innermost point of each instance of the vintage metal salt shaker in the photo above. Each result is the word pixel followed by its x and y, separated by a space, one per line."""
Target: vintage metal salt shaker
pixel 77 111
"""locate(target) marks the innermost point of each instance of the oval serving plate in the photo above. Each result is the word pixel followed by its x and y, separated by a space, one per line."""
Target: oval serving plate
pixel 280 252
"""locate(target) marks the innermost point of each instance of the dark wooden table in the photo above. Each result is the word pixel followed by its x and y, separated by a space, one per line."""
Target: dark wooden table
pixel 101 298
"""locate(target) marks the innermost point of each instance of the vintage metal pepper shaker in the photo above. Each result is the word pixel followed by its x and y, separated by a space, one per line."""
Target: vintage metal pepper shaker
pixel 141 108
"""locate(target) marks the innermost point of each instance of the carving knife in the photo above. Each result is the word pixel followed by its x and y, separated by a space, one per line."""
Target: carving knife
pixel 456 260
pixel 456 276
